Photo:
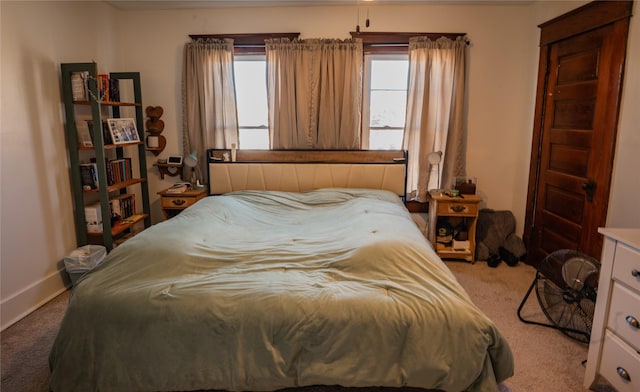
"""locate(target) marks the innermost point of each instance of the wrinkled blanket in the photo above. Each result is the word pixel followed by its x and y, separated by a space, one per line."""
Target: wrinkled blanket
pixel 266 290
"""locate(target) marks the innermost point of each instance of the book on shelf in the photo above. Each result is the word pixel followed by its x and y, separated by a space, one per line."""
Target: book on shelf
pixel 89 176
pixel 114 90
pixel 106 133
pixel 118 170
pixel 79 86
pixel 103 86
pixel 93 218
pixel 85 139
pixel 122 206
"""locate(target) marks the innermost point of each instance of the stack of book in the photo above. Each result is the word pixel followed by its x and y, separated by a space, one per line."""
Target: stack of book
pixel 121 207
pixel 118 170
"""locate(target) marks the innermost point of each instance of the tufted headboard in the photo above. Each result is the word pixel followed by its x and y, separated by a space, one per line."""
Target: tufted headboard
pixel 304 170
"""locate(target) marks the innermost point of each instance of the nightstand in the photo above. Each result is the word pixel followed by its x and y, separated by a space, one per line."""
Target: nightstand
pixel 458 211
pixel 174 203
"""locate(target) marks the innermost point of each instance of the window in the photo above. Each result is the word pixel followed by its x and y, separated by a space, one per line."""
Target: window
pixel 384 104
pixel 251 99
pixel 385 100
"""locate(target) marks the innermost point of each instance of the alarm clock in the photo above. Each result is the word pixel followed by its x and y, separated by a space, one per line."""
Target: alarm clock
pixel 174 160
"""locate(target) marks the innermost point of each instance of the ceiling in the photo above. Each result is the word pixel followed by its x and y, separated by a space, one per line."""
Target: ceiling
pixel 176 4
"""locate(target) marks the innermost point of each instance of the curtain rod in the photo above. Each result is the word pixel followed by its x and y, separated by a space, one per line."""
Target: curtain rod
pixel 246 39
pixel 401 38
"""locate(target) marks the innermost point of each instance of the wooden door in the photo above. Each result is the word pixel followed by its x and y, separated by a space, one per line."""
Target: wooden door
pixel 579 86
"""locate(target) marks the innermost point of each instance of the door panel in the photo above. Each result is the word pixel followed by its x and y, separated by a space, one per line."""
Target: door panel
pixel 573 156
pixel 578 67
pixel 568 134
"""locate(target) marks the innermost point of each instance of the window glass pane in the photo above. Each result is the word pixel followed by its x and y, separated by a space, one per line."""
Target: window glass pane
pixel 251 92
pixel 389 74
pixel 385 139
pixel 254 139
pixel 251 99
pixel 388 108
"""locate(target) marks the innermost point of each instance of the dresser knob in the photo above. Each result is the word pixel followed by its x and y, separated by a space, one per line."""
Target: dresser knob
pixel 635 273
pixel 632 321
pixel 623 373
pixel 178 202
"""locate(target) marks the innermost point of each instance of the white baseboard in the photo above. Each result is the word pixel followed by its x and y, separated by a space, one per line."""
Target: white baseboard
pixel 25 301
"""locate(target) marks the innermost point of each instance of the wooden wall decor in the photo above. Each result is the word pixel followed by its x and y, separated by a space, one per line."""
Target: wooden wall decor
pixel 155 141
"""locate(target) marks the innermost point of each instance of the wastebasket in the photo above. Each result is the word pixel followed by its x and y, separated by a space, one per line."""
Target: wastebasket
pixel 82 260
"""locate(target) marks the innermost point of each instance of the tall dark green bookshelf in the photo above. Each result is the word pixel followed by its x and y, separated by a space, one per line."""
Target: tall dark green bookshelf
pixel 95 107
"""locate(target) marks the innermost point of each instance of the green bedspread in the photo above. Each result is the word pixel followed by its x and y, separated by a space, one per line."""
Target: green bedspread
pixel 266 290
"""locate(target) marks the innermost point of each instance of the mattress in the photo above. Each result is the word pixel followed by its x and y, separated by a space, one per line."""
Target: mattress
pixel 264 290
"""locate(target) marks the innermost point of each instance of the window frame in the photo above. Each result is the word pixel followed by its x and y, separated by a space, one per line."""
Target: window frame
pixel 366 94
pixel 251 47
pixel 251 57
pixel 387 44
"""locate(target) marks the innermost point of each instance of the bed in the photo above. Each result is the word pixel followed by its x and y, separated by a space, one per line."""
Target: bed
pixel 260 289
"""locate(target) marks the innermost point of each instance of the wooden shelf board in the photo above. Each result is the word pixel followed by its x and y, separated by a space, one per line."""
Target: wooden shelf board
pixel 122 225
pixel 108 103
pixel 111 146
pixel 118 186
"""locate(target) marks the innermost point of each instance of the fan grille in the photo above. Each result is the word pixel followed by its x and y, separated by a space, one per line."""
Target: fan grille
pixel 566 287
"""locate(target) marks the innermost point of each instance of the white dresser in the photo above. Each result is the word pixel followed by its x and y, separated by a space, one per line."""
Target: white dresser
pixel 614 350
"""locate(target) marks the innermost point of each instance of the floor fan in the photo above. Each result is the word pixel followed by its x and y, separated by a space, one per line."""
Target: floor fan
pixel 566 285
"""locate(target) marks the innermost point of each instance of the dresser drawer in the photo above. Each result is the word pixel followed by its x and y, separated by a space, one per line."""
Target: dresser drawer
pixel 627 266
pixel 624 315
pixel 618 358
pixel 178 202
pixel 453 209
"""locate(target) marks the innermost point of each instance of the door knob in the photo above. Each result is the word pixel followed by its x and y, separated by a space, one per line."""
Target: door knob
pixel 589 188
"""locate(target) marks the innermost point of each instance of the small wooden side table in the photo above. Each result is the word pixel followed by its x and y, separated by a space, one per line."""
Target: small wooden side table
pixel 463 208
pixel 174 203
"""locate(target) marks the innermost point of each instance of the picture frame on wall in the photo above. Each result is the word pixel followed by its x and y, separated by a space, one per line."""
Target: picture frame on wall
pixel 123 130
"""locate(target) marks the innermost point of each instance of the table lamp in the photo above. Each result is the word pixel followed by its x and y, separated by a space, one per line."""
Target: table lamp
pixel 191 161
pixel 434 159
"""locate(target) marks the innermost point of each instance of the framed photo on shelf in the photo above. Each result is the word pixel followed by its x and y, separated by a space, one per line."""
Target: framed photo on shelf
pixel 123 130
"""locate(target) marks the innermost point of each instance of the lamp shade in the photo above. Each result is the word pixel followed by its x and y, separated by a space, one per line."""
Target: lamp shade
pixel 191 160
pixel 434 157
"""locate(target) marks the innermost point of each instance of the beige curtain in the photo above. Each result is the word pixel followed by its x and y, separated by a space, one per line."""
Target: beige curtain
pixel 315 93
pixel 208 99
pixel 435 111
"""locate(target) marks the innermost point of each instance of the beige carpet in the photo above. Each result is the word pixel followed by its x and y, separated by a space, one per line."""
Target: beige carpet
pixel 546 360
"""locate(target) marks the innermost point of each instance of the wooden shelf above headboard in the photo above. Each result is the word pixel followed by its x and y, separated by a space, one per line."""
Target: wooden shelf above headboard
pixel 311 156
pixel 303 170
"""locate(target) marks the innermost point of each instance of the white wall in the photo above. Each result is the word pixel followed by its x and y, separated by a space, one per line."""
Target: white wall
pixel 502 71
pixel 623 205
pixel 37 217
pixel 626 180
pixel 35 200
